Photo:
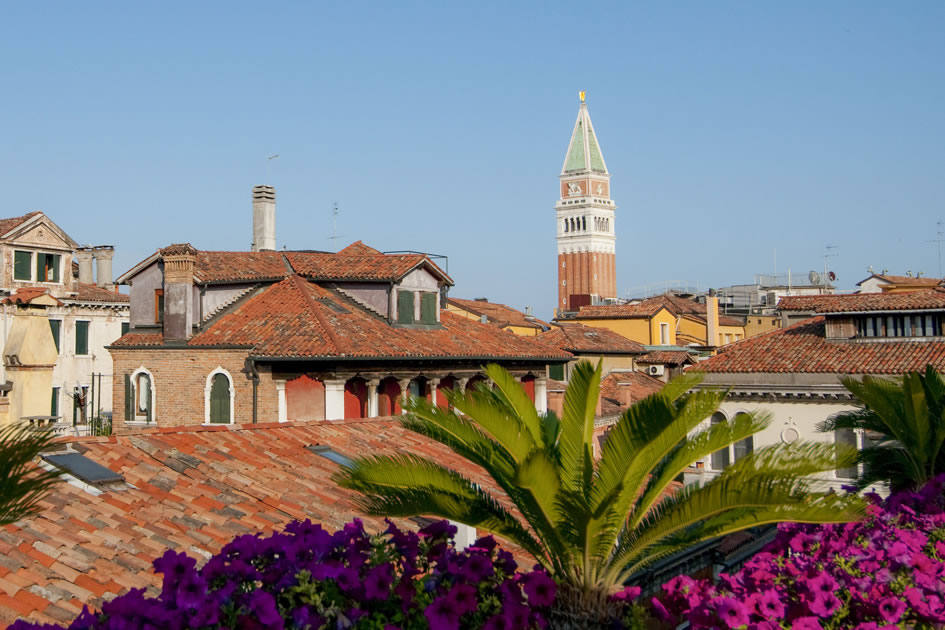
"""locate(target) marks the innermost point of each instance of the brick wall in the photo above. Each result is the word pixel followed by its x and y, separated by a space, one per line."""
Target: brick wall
pixel 180 379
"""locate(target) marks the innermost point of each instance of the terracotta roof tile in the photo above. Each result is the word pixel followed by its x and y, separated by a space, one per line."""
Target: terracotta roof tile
pixel 667 357
pixel 82 548
pixel 803 348
pixel 358 248
pixel 211 267
pixel 618 390
pixel 342 266
pixel 499 314
pixel 619 311
pixel 579 338
pixel 906 280
pixel 865 302
pixel 26 295
pixel 8 224
pixel 92 293
pixel 133 339
pixel 296 318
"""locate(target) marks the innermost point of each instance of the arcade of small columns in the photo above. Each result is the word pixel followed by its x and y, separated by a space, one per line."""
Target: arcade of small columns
pixel 361 394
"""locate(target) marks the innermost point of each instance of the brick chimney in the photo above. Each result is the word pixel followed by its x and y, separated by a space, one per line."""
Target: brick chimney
pixel 103 266
pixel 83 258
pixel 264 219
pixel 179 263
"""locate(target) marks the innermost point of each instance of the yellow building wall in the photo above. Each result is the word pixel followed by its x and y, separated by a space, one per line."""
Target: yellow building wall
pixel 692 329
pixel 759 324
pixel 730 334
pixel 645 331
pixel 31 344
pixel 524 331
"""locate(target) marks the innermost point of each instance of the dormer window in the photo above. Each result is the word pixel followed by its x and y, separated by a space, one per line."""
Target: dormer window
pixel 407 307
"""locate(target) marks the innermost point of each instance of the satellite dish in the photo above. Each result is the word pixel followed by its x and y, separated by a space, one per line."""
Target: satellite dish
pixel 831 275
pixel 814 277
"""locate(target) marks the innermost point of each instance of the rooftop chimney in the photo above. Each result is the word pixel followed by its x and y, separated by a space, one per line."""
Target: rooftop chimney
pixel 103 266
pixel 83 258
pixel 178 291
pixel 264 219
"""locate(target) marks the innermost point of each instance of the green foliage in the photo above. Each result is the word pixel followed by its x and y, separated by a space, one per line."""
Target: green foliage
pixel 22 483
pixel 907 416
pixel 593 522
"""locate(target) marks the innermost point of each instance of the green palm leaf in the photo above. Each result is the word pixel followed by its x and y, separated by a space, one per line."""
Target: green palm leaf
pixel 22 483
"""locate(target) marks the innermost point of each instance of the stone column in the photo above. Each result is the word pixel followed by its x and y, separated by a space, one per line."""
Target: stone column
pixel 462 383
pixel 283 407
pixel 404 389
pixel 335 399
pixel 432 383
pixel 541 394
pixel 372 406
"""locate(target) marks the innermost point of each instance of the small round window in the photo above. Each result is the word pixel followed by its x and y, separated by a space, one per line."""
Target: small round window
pixel 789 435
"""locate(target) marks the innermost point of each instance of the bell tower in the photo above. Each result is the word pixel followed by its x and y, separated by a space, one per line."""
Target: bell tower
pixel 585 216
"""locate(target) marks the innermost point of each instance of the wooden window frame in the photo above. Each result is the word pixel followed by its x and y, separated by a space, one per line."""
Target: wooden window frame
pixel 159 306
pixel 17 253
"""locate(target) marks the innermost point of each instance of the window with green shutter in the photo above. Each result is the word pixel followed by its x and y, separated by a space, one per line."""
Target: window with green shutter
pixel 428 308
pixel 405 307
pixel 47 267
pixel 81 338
pixel 129 408
pixel 55 325
pixel 54 403
pixel 21 265
pixel 556 372
pixel 125 327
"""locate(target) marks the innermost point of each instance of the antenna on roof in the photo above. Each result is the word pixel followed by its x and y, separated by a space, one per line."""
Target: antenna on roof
pixel 334 221
pixel 826 257
pixel 268 162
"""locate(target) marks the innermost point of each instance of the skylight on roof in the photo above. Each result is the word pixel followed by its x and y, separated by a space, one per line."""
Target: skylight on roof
pixel 331 454
pixel 83 468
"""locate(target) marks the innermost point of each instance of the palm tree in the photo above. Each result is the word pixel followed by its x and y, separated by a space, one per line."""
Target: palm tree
pixel 590 523
pixel 22 483
pixel 908 417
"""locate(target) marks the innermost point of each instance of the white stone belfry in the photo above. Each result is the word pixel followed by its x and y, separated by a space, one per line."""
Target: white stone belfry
pixel 585 216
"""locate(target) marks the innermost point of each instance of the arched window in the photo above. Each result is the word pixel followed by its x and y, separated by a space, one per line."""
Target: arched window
pixel 142 396
pixel 565 225
pixel 218 398
pixel 584 224
pixel 720 457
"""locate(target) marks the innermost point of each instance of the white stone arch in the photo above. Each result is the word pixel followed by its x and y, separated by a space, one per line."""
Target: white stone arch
pixel 206 394
pixel 134 394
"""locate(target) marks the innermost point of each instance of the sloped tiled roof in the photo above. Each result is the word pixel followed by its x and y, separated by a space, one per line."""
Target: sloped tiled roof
pixel 666 357
pixel 803 348
pixel 8 224
pixel 26 295
pixel 297 318
pixel 929 299
pixel 92 293
pixel 381 267
pixel 498 314
pixel 579 338
pixel 192 489
pixel 905 280
pixel 239 266
pixel 619 311
pixel 638 384
pixel 358 248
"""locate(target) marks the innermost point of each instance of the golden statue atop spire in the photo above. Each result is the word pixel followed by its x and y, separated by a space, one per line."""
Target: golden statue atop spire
pixel 582 94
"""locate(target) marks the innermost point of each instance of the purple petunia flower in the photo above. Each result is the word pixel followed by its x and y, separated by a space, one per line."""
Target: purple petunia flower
pixel 463 598
pixel 540 589
pixel 891 609
pixel 378 580
pixel 769 605
pixel 731 611
pixel 441 615
pixel 825 604
pixel 807 623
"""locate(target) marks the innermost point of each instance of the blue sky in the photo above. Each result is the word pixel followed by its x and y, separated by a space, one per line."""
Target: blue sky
pixel 732 130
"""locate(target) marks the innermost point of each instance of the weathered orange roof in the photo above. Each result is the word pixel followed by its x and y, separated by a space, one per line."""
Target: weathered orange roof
pixel 803 348
pixel 638 384
pixel 578 338
pixel 8 224
pixel 906 280
pixel 499 314
pixel 928 299
pixel 619 311
pixel 25 295
pixel 190 488
pixel 298 318
pixel 667 357
pixel 92 293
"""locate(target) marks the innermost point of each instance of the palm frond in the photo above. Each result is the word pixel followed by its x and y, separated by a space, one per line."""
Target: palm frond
pixel 516 399
pixel 22 483
pixel 577 425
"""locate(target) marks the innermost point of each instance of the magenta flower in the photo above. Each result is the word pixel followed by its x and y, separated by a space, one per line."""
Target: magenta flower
pixel 442 614
pixel 807 623
pixel 769 605
pixel 540 589
pixel 825 604
pixel 731 611
pixel 891 609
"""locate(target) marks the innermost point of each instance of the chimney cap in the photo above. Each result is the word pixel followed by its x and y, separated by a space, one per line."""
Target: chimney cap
pixel 179 249
pixel 264 193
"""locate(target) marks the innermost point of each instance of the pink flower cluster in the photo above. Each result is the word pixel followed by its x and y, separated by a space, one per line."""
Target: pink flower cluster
pixel 885 571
